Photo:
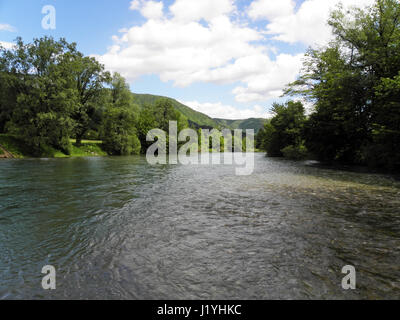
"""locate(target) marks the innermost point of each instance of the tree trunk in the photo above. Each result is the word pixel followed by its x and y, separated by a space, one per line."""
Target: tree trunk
pixel 78 141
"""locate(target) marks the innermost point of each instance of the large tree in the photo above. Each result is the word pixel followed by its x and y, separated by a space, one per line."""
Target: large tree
pixel 354 86
pixel 284 130
pixel 41 94
pixel 87 77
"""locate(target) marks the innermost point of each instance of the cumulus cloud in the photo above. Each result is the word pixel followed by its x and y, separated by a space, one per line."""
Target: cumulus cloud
pixel 7 27
pixel 200 41
pixel 222 111
pixel 270 81
pixel 307 24
pixel 271 9
pixel 195 10
pixel 192 41
pixel 148 9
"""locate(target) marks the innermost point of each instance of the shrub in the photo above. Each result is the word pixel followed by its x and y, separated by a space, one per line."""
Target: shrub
pixel 295 152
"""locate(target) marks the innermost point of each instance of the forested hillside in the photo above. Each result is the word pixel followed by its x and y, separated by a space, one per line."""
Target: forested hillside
pixel 195 118
pixel 252 123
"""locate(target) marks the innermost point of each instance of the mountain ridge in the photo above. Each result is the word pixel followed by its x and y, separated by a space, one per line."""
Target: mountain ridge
pixel 198 119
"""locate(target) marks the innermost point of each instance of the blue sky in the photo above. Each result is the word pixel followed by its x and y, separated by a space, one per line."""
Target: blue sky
pixel 225 58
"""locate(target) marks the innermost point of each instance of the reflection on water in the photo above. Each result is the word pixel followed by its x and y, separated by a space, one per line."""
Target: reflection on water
pixel 117 228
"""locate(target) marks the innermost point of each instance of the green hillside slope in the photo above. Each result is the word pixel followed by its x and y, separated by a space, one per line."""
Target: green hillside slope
pixel 196 119
pixel 252 123
pixel 200 120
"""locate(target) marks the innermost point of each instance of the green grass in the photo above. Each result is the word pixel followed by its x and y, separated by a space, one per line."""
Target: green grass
pixel 87 141
pixel 88 149
pixel 20 150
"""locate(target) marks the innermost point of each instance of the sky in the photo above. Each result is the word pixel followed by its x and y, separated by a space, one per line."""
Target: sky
pixel 228 59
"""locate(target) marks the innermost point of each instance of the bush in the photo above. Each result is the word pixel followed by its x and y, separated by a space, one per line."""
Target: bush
pixel 122 144
pixel 295 152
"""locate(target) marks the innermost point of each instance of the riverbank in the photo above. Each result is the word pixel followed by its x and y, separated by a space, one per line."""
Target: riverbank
pixel 12 147
pixel 4 154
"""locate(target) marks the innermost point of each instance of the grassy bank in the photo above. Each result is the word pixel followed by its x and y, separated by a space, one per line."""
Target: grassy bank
pixel 20 150
pixel 88 148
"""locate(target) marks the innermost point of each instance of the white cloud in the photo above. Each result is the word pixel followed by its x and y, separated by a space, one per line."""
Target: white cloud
pixel 178 47
pixel 271 9
pixel 6 45
pixel 194 41
pixel 219 110
pixel 148 9
pixel 195 10
pixel 307 25
pixel 152 10
pixel 7 27
pixel 135 5
pixel 270 81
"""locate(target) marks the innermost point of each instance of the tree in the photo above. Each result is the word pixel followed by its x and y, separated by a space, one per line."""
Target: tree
pixel 120 119
pixel 284 129
pixel 158 116
pixel 87 77
pixel 119 133
pixel 8 94
pixel 41 98
pixel 352 83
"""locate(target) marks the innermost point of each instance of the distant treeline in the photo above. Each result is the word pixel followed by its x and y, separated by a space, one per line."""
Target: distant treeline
pixel 354 85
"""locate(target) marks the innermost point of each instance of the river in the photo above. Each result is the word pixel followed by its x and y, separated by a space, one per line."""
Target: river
pixel 118 228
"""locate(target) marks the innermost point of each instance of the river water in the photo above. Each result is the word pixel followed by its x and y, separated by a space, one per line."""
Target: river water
pixel 118 228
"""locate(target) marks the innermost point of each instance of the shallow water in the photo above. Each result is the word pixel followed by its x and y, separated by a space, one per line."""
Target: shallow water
pixel 118 228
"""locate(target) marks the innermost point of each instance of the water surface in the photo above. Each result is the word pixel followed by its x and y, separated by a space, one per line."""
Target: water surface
pixel 118 228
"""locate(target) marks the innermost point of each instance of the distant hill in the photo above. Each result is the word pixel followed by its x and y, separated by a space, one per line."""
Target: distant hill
pixel 200 120
pixel 252 123
pixel 196 119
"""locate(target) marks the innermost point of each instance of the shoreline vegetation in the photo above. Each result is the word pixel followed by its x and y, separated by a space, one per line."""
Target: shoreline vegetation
pixel 88 148
pixel 353 84
pixel 56 102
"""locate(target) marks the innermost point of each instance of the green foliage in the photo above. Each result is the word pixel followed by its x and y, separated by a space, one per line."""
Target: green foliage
pixel 42 99
pixel 87 77
pixel 196 119
pixel 157 116
pixel 283 130
pixel 86 149
pixel 253 123
pixel 295 152
pixel 119 131
pixel 354 84
pixel 14 145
